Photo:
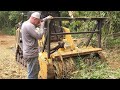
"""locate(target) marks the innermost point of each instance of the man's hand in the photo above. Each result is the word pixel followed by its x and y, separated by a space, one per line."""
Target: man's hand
pixel 49 17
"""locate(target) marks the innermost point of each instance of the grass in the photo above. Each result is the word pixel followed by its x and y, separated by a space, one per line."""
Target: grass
pixel 98 70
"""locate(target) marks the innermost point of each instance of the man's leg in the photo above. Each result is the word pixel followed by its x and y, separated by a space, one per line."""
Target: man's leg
pixel 33 68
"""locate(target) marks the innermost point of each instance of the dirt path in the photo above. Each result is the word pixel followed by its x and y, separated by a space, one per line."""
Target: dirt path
pixel 9 68
pixel 113 58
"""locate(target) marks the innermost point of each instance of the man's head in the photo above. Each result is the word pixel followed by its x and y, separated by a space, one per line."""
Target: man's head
pixel 35 18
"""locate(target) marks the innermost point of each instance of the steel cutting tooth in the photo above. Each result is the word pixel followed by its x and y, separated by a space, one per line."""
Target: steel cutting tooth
pixel 57 70
pixel 60 65
pixel 65 67
pixel 72 64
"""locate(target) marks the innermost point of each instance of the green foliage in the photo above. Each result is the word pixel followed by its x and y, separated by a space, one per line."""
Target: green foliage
pixel 112 42
pixel 4 21
pixel 14 17
pixel 114 19
pixel 98 70
pixel 9 31
pixel 110 25
pixel 11 18
pixel 8 20
pixel 64 13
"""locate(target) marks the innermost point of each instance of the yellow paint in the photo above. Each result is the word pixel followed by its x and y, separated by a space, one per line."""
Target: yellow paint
pixel 68 38
pixel 17 37
pixel 40 42
pixel 43 69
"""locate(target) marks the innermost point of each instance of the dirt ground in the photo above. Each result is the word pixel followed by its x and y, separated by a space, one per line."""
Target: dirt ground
pixel 113 58
pixel 9 68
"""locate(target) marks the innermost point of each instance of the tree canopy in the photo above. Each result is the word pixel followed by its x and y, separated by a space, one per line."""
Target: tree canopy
pixel 8 19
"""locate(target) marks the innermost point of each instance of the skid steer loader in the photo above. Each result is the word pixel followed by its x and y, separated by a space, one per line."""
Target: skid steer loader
pixel 58 46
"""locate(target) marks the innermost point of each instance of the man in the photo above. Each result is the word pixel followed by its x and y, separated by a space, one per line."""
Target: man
pixel 30 43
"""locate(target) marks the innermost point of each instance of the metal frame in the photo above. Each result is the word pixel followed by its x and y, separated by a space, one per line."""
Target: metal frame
pixel 98 25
